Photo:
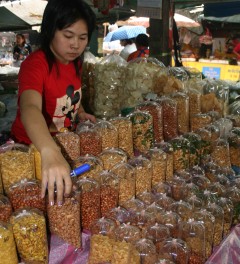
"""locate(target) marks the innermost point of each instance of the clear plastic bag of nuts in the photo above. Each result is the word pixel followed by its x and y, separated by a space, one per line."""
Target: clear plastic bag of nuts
pixel 155 211
pixel 164 201
pixel 234 148
pixel 208 220
pixel 27 193
pixel 100 249
pixel 200 121
pixel 169 111
pixel 95 164
pixel 143 170
pixel 37 162
pixel 172 221
pixel 109 134
pixel 69 144
pixel 90 141
pixel 155 110
pixel 142 124
pixel 109 191
pixel 1 184
pixel 127 182
pixel 142 219
pixel 147 250
pixel 218 213
pixel 195 142
pixel 147 197
pixel 8 252
pixel 88 191
pixel 64 221
pixel 182 100
pixel 176 250
pixel 119 215
pixel 159 165
pixel 228 210
pixel 168 149
pixel 157 233
pixel 29 230
pixel 5 208
pixel 194 102
pixel 124 128
pixel 182 208
pixel 179 190
pixel 112 156
pixel 103 226
pixel 181 152
pixel 193 232
pixel 16 164
pixel 220 153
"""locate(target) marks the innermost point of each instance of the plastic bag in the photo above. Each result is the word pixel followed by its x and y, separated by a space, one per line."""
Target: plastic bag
pixel 108 83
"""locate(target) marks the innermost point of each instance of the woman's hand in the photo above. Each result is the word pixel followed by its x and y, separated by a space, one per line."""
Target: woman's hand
pixel 55 172
pixel 83 116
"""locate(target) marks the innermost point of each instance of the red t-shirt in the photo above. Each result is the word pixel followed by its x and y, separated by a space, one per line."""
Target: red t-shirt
pixel 60 91
pixel 140 52
pixel 237 48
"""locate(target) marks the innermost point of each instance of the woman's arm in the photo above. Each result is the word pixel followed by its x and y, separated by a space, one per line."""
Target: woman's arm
pixel 55 168
pixel 85 116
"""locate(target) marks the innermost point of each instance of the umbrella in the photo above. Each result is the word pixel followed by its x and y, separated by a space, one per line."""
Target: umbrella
pixel 182 21
pixel 125 32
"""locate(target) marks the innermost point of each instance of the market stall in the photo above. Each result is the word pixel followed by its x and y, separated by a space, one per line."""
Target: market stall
pixel 160 166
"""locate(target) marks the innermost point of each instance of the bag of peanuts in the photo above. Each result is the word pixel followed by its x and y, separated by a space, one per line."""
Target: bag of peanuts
pixel 124 128
pixel 16 164
pixel 8 252
pixel 29 230
pixel 37 162
pixel 64 221
pixel 108 134
pixel 27 193
pixel 69 144
pixel 155 110
pixel 5 208
pixel 95 163
pixel 147 250
pixel 109 190
pixel 90 141
pixel 88 191
pixel 112 156
pixel 170 121
pixel 127 181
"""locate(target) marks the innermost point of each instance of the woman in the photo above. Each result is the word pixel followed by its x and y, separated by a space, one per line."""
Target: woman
pixel 129 47
pixel 142 43
pixel 22 49
pixel 50 89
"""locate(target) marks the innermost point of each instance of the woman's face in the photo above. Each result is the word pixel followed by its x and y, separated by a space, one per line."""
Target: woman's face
pixel 69 43
pixel 19 40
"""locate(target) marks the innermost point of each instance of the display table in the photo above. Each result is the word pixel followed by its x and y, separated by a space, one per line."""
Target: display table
pixel 228 252
pixel 218 69
pixel 61 252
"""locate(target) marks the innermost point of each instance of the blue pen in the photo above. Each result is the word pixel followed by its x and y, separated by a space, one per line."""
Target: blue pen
pixel 80 170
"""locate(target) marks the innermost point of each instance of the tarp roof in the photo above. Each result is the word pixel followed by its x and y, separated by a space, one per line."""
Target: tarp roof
pixel 190 3
pixel 24 14
pixel 21 14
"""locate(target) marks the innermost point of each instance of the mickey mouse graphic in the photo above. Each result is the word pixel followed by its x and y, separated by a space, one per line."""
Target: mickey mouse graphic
pixel 70 108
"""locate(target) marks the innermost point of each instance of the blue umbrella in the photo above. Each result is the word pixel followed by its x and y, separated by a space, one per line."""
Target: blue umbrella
pixel 125 32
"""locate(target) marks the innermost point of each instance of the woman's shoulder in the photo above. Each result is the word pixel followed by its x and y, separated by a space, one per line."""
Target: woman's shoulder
pixel 37 57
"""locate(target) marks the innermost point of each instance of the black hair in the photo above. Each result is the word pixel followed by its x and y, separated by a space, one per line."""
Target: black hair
pixel 23 37
pixel 128 41
pixel 60 14
pixel 142 40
